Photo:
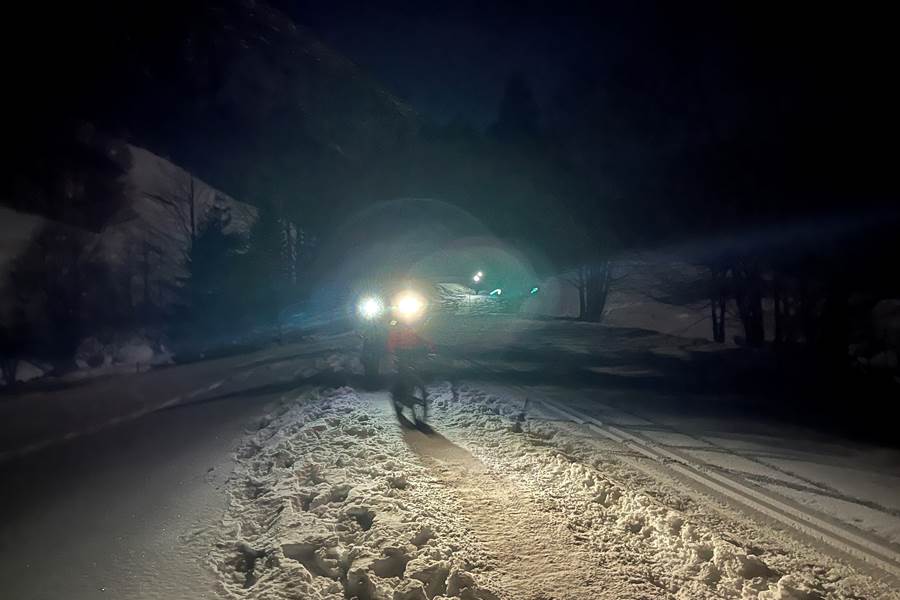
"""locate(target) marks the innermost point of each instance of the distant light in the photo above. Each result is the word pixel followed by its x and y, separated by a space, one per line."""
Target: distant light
pixel 477 278
pixel 370 307
pixel 534 290
pixel 497 292
pixel 480 274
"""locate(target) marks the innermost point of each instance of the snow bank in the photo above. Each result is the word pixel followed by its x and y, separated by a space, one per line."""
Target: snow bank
pixel 129 351
pixel 134 351
pixel 26 371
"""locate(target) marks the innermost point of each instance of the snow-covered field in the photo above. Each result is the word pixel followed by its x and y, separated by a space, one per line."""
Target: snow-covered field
pixel 331 498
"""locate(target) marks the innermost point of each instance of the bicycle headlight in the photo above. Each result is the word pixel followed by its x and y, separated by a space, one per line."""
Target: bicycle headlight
pixel 410 305
pixel 370 308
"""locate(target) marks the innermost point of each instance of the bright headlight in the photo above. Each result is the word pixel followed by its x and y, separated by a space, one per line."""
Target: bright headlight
pixel 410 305
pixel 370 307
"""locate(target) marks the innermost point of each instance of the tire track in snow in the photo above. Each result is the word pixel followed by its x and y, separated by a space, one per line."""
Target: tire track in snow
pixel 816 487
pixel 538 555
pixel 868 551
pixel 645 545
pixel 855 544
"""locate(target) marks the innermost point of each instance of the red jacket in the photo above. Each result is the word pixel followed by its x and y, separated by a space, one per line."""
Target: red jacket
pixel 405 338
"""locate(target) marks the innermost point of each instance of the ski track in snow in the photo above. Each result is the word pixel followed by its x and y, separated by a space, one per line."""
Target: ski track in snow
pixel 332 499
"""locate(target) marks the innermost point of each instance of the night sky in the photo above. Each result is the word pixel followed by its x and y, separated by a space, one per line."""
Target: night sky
pixel 816 86
pixel 452 60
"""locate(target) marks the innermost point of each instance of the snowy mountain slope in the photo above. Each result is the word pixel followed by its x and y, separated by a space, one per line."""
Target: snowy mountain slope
pixel 253 62
pixel 142 220
pixel 232 90
pixel 236 91
pixel 156 214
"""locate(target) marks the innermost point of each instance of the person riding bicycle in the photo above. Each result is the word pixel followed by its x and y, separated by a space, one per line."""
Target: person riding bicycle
pixel 410 349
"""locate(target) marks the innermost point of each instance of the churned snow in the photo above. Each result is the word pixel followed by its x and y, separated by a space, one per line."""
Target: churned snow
pixel 327 502
pixel 331 498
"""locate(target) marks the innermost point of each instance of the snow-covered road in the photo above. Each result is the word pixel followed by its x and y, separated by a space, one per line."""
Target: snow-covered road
pixel 852 484
pixel 271 476
pixel 332 498
pixel 123 513
pixel 119 500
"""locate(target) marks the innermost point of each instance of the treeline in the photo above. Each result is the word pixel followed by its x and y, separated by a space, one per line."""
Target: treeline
pixel 769 167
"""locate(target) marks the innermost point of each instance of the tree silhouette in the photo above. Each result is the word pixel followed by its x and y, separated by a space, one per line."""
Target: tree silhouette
pixel 211 262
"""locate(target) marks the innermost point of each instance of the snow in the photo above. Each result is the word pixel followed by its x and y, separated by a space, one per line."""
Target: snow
pixel 851 483
pixel 331 499
pixel 845 480
pixel 328 502
pixel 134 352
pixel 120 243
pixel 651 291
pixel 144 219
pixel 141 218
pixel 26 371
pixel 120 354
pixel 42 415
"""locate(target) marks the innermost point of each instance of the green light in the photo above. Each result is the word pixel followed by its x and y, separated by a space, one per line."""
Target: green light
pixel 497 292
pixel 534 290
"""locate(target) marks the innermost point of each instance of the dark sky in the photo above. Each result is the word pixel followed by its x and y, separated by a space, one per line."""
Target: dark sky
pixel 821 80
pixel 451 60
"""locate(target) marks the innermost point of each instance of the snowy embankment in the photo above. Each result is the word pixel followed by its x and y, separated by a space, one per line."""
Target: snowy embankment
pixel 331 499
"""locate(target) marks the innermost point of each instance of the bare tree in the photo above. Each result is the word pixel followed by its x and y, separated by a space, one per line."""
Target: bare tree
pixel 148 257
pixel 180 200
pixel 718 300
pixel 13 338
pixel 593 284
pixel 748 292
